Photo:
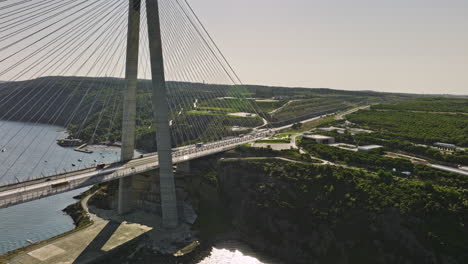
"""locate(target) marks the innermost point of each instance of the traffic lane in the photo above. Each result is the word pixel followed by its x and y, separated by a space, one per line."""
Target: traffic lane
pixel 146 162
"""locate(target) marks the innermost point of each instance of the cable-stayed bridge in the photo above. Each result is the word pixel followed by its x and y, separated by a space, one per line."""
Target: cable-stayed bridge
pixel 36 189
pixel 146 74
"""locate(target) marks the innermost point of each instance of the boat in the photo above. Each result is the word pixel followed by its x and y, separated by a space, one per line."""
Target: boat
pixel 80 160
pixel 69 142
pixel 188 249
pixel 73 164
pixel 4 149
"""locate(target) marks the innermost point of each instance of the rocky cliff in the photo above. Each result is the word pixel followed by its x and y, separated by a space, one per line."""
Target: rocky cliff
pixel 323 214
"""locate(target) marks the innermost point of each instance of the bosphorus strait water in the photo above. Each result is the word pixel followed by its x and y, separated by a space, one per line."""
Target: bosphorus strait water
pixel 28 151
pixel 35 221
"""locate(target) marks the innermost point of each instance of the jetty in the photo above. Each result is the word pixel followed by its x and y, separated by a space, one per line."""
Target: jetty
pixel 82 148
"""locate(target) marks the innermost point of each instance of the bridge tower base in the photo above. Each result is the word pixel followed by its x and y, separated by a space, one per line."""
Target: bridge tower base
pixel 161 111
pixel 147 196
pixel 129 107
pixel 169 210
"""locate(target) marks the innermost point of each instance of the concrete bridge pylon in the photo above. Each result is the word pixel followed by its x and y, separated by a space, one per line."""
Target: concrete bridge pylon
pixel 124 204
pixel 160 110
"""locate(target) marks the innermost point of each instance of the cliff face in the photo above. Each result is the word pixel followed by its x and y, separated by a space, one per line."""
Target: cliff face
pixel 308 214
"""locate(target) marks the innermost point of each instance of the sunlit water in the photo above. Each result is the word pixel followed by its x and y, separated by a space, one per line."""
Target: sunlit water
pixel 31 151
pixel 234 252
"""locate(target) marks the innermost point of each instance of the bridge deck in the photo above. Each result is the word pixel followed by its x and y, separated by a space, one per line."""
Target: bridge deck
pixel 35 189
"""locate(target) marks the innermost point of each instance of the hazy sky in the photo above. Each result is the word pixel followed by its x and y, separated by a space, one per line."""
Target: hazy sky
pixel 387 45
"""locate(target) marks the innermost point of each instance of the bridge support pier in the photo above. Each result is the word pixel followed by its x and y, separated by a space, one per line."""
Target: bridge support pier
pixel 161 111
pixel 125 198
pixel 184 168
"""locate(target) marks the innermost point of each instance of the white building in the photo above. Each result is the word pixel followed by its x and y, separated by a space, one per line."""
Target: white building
pixel 320 139
pixel 445 146
pixel 368 148
pixel 340 130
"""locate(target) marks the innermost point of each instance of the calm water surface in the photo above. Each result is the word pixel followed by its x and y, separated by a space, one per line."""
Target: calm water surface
pixel 31 151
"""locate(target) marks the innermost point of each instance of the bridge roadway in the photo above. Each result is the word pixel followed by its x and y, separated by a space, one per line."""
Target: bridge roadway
pixel 35 189
pixel 22 192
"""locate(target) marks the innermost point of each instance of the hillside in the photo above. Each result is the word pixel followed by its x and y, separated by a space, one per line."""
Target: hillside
pixel 306 213
pixel 91 107
pixel 422 120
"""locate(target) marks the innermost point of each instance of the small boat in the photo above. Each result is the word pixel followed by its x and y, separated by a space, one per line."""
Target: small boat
pixel 188 249
pixel 4 149
pixel 95 160
pixel 30 241
pixel 80 160
pixel 45 161
pixel 73 165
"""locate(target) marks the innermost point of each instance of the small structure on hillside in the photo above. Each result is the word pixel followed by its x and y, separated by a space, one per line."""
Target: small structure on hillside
pixel 242 114
pixel 446 146
pixel 239 128
pixel 369 148
pixel 406 173
pixel 355 131
pixel 340 130
pixel 320 139
pixel 344 146
pixel 348 124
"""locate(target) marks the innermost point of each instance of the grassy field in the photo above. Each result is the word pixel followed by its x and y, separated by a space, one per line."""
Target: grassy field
pixel 228 105
pixel 418 127
pixel 312 124
pixel 429 105
pixel 314 105
pixel 269 106
pixel 216 109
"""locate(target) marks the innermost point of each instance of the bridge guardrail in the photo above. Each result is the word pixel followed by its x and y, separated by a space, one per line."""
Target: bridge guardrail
pixel 25 193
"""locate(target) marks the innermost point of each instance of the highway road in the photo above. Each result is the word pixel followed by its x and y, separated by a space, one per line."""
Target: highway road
pixel 354 110
pixel 35 189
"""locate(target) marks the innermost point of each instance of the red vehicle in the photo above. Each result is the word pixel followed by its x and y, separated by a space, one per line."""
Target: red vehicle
pixel 100 166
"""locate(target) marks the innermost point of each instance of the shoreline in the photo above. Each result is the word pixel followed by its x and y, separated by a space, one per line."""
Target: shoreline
pixel 137 250
pixel 79 225
pixel 81 220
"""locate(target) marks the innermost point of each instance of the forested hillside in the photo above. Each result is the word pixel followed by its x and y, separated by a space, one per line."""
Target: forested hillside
pixel 424 121
pixel 429 105
pixel 335 215
pixel 91 108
